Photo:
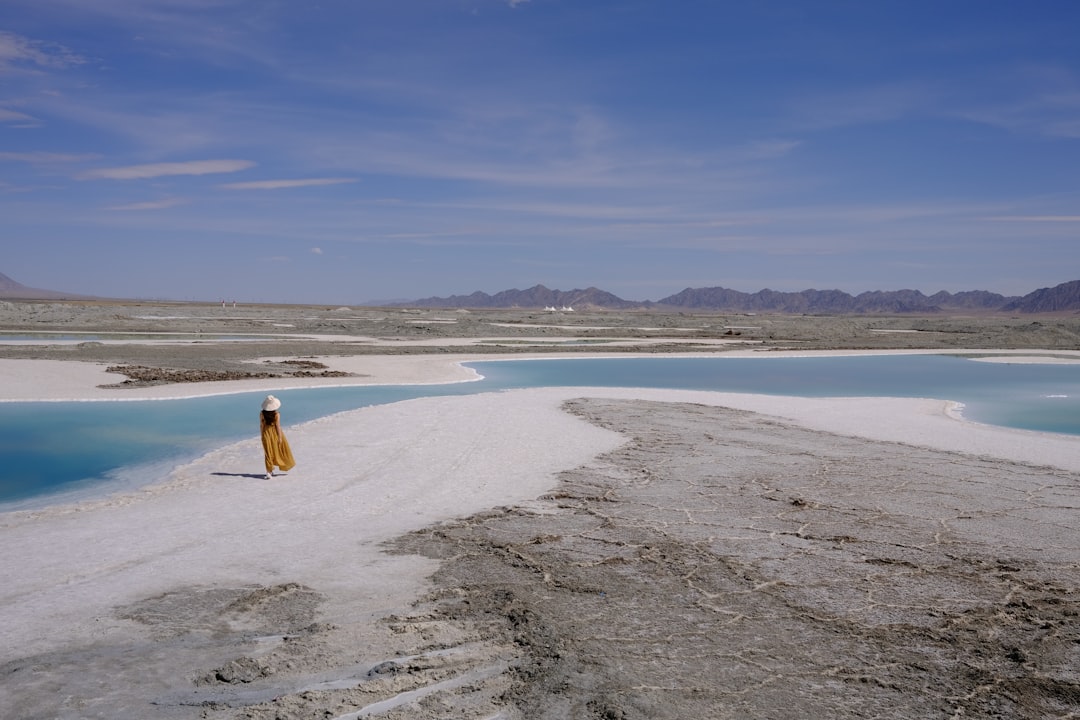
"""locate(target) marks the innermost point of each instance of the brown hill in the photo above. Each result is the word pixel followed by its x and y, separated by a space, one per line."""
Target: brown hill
pixel 11 290
pixel 834 301
pixel 1060 298
pixel 537 296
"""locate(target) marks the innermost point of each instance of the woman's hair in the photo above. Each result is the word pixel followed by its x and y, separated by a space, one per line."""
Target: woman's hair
pixel 268 416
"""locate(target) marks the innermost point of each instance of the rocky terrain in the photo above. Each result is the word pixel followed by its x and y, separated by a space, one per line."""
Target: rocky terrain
pixel 194 342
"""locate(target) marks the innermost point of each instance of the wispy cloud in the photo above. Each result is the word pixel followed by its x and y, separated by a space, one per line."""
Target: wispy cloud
pixel 282 184
pixel 19 53
pixel 46 158
pixel 1048 116
pixel 1030 99
pixel 566 209
pixel 767 149
pixel 181 124
pixel 1036 218
pixel 861 106
pixel 176 27
pixel 551 163
pixel 316 251
pixel 154 170
pixel 150 205
pixel 8 115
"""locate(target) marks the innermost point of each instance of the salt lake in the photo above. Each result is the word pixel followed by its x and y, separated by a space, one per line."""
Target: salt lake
pixel 52 452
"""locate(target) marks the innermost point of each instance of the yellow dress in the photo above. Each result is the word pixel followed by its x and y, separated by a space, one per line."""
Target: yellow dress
pixel 276 450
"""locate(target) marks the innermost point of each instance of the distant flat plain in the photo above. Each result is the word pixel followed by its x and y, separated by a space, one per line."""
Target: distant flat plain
pixel 224 339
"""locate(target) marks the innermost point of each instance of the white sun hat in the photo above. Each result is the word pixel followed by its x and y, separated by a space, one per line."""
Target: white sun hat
pixel 271 403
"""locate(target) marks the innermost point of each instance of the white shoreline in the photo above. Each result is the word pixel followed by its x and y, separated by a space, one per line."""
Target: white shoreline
pixel 73 381
pixel 365 476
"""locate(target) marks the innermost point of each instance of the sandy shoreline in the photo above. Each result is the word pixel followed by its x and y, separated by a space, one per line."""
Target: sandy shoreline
pixel 223 595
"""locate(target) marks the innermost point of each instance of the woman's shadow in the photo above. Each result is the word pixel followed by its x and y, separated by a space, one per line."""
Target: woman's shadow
pixel 256 476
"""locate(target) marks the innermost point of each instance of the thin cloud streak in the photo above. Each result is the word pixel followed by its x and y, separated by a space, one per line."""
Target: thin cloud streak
pixel 1036 218
pixel 47 158
pixel 156 170
pixel 860 106
pixel 7 115
pixel 150 205
pixel 282 184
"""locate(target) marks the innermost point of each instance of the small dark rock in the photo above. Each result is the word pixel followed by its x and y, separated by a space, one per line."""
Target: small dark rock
pixel 384 668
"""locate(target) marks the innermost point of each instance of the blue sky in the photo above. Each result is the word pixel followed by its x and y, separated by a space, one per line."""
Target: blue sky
pixel 342 151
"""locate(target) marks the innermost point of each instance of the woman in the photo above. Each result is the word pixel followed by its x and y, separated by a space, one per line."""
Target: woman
pixel 276 449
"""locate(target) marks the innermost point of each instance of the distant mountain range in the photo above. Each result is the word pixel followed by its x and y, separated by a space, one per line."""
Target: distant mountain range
pixel 1062 298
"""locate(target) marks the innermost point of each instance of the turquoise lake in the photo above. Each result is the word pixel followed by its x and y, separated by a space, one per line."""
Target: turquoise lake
pixel 51 452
